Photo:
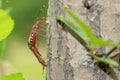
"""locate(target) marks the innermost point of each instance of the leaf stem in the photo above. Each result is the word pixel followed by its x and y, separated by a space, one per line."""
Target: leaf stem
pixel 113 49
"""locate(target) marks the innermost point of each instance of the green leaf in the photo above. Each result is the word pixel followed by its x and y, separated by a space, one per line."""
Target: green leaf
pixel 84 27
pixel 2 47
pixel 84 31
pixel 6 24
pixel 93 41
pixel 96 42
pixel 75 28
pixel 106 60
pixel 16 76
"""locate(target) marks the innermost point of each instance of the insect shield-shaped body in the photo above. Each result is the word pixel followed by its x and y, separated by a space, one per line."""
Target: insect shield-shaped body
pixel 33 39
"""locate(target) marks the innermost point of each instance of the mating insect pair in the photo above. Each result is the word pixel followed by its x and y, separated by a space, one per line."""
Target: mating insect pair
pixel 33 39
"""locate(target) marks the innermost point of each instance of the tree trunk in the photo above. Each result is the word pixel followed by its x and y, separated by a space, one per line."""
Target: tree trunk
pixel 67 57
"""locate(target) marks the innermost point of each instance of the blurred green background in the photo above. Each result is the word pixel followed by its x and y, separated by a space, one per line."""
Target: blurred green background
pixel 17 55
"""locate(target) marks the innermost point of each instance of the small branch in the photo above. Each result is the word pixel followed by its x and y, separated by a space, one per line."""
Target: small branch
pixel 113 49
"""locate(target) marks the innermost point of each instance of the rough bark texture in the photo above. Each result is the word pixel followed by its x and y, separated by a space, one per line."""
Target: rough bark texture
pixel 67 58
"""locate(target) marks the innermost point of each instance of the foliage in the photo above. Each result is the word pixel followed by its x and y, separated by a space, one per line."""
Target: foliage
pixel 85 33
pixel 24 17
pixel 15 76
pixel 106 60
pixel 6 26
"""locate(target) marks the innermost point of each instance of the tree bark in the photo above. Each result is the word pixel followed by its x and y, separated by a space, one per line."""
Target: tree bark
pixel 67 57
